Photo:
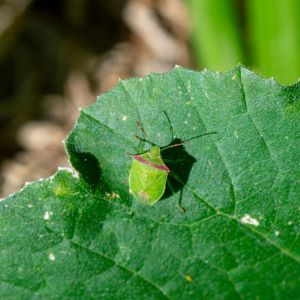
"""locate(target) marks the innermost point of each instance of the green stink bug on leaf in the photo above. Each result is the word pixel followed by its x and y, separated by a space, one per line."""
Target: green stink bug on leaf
pixel 148 175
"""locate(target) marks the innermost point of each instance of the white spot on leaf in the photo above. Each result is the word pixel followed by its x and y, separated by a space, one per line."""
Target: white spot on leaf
pixel 51 256
pixel 124 118
pixel 277 233
pixel 47 215
pixel 249 220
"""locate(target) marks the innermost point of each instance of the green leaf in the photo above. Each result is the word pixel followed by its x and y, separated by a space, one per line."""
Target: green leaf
pixel 274 37
pixel 87 238
pixel 216 33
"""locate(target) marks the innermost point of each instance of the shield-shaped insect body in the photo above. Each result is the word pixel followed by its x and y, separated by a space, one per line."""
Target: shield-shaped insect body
pixel 148 176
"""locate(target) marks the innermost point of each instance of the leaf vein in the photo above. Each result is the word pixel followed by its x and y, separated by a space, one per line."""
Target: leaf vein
pixel 134 273
pixel 234 197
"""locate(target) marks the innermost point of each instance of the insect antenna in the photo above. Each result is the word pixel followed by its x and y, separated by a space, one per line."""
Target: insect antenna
pixel 140 126
pixel 197 136
pixel 180 207
pixel 183 142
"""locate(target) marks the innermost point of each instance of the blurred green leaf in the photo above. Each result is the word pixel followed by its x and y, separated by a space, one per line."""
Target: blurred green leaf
pixel 216 34
pixel 263 34
pixel 87 238
pixel 274 31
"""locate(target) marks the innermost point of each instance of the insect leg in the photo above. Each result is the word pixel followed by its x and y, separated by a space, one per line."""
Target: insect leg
pixel 180 207
pixel 141 140
pixel 140 126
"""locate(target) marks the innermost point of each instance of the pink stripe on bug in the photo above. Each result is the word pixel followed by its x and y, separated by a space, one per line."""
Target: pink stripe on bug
pixel 146 162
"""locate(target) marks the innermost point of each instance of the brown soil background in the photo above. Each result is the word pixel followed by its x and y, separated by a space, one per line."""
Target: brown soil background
pixel 58 55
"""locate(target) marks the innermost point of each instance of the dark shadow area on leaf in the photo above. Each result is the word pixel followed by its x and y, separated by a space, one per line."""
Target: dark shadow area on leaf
pixel 180 164
pixel 93 211
pixel 91 174
pixel 88 167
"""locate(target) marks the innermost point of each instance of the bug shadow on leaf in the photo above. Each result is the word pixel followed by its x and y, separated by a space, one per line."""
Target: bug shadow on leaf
pixel 180 163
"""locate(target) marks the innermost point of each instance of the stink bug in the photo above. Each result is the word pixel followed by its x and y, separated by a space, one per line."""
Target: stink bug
pixel 148 175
